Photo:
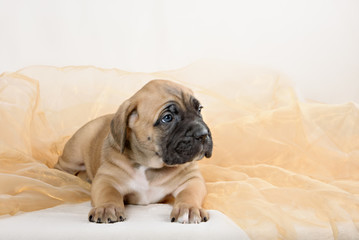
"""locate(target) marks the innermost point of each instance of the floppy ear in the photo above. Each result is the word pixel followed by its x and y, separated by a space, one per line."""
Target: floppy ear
pixel 119 123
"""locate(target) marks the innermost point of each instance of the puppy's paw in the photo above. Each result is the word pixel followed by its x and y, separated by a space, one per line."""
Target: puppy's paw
pixel 184 213
pixel 108 213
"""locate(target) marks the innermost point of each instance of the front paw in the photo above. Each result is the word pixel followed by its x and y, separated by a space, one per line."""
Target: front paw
pixel 185 213
pixel 107 213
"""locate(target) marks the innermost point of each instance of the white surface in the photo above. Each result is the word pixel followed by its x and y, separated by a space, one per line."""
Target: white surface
pixel 314 42
pixel 143 222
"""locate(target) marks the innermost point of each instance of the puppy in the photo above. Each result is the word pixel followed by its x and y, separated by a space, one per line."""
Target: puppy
pixel 144 153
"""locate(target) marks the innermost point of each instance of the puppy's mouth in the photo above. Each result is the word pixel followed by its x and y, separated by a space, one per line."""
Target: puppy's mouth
pixel 188 149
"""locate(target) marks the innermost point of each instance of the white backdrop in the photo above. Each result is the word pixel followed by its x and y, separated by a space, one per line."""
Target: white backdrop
pixel 314 42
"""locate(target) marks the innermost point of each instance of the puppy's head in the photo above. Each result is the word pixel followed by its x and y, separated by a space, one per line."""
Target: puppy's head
pixel 161 125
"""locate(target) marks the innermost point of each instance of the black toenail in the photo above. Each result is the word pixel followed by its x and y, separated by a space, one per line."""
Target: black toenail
pixel 91 218
pixel 99 220
pixel 173 219
pixel 121 219
pixel 205 219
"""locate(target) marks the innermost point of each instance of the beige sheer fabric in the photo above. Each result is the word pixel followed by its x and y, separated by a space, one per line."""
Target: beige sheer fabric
pixel 280 168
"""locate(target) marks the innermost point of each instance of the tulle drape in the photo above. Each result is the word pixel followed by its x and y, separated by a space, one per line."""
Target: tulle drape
pixel 281 168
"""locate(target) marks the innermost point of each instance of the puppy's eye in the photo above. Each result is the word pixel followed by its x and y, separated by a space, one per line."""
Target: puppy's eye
pixel 167 118
pixel 200 108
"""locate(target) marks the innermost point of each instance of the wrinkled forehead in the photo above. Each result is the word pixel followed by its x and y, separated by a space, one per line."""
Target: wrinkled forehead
pixel 167 88
pixel 155 95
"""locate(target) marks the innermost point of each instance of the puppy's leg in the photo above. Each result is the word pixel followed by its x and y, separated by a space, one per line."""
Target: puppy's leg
pixel 70 165
pixel 188 202
pixel 107 202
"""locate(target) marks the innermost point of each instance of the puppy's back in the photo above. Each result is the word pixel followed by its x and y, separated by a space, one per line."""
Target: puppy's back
pixel 82 152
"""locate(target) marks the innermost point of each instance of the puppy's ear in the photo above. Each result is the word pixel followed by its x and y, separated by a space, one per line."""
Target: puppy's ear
pixel 119 123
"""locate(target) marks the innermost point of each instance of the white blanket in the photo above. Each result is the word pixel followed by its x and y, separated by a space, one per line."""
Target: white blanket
pixel 143 222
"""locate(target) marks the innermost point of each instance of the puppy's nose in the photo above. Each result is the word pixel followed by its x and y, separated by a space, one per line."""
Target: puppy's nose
pixel 201 133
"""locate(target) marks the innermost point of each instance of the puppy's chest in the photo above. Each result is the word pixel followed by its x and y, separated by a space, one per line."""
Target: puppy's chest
pixel 143 191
